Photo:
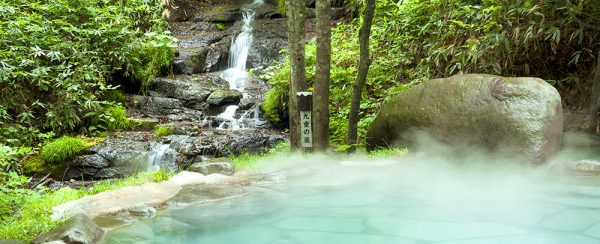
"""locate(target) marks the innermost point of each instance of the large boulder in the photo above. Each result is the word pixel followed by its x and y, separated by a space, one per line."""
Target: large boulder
pixel 77 230
pixel 224 97
pixel 520 115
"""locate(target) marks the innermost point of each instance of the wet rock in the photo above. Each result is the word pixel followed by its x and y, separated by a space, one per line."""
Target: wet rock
pixel 234 144
pixel 156 105
pixel 112 172
pixel 518 115
pixel 204 26
pixel 217 57
pixel 197 194
pixel 270 37
pixel 78 229
pixel 142 211
pixel 201 57
pixel 222 166
pixel 247 103
pixel 221 13
pixel 191 90
pixel 94 161
pixel 224 97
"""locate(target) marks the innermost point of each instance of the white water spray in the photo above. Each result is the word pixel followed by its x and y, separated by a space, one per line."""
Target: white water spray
pixel 236 74
pixel 157 156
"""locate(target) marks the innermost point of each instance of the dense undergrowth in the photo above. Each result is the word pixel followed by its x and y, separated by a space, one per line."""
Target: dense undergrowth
pixel 413 41
pixel 58 57
pixel 25 213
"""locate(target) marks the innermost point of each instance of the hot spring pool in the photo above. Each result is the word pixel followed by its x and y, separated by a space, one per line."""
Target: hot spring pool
pixel 409 202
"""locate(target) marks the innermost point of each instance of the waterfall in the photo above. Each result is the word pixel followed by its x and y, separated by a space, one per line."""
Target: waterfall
pixel 157 155
pixel 236 74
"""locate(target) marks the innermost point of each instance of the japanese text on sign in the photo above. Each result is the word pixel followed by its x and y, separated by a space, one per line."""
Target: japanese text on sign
pixel 306 128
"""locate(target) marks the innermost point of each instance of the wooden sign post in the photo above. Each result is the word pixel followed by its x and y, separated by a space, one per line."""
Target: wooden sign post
pixel 305 108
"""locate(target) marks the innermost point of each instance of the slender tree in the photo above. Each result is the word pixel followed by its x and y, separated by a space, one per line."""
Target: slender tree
pixel 594 103
pixel 363 70
pixel 296 13
pixel 322 76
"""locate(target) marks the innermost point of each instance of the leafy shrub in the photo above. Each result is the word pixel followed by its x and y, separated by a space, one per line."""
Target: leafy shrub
pixel 10 158
pixel 56 57
pixel 63 149
pixel 413 41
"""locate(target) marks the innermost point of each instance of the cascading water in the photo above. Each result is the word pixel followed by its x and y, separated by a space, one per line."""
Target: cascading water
pixel 156 156
pixel 237 75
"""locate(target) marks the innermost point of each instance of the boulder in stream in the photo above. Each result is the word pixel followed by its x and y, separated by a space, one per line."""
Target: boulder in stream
pixel 224 97
pixel 77 230
pixel 518 115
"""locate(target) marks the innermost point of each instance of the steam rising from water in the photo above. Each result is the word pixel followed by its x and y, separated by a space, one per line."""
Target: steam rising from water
pixel 425 197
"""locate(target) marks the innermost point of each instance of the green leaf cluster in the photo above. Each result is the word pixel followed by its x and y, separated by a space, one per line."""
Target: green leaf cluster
pixel 58 57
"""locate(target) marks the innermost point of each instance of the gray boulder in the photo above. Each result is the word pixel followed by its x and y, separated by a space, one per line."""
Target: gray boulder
pixel 518 115
pixel 192 90
pixel 94 161
pixel 202 58
pixel 77 230
pixel 224 97
pixel 222 166
pixel 270 37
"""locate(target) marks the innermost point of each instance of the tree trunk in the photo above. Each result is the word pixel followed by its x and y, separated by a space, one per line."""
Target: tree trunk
pixel 296 11
pixel 322 76
pixel 594 103
pixel 363 70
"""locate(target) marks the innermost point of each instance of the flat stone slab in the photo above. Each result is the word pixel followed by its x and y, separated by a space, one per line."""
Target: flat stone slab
pixel 149 194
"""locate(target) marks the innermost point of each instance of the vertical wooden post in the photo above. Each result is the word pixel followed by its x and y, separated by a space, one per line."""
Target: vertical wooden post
pixel 594 103
pixel 305 113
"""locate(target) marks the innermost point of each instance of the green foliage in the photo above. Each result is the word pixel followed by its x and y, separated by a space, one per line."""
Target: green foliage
pixel 387 152
pixel 220 26
pixel 10 158
pixel 248 161
pixel 161 131
pixel 63 149
pixel 56 57
pixel 413 41
pixel 115 95
pixel 25 213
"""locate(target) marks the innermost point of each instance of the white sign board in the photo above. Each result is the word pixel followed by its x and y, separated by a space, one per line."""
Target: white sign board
pixel 306 128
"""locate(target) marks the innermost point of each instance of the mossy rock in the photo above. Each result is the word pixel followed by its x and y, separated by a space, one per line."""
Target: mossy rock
pixel 518 115
pixel 142 124
pixel 55 155
pixel 224 97
pixel 223 13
